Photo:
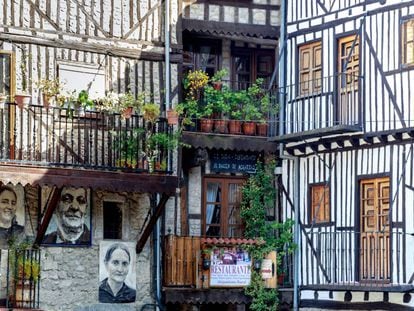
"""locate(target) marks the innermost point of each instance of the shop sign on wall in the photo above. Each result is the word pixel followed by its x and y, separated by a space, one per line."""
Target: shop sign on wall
pixel 228 162
pixel 230 267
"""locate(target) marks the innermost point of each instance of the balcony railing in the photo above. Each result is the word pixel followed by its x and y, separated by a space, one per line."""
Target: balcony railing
pixel 61 137
pixel 23 278
pixel 323 103
pixel 356 260
pixel 266 126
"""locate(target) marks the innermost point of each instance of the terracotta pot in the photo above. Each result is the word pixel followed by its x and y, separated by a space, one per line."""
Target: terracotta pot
pixel 172 117
pixel 22 100
pixel 220 126
pixel 46 101
pixel 249 128
pixel 206 125
pixel 127 112
pixel 261 129
pixel 235 126
pixel 217 85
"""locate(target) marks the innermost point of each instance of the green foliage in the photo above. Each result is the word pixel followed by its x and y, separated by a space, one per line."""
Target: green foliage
pixel 264 299
pixel 84 100
pixel 127 100
pixel 219 75
pixel 150 112
pixel 20 262
pixel 259 194
pixel 128 144
pixel 216 101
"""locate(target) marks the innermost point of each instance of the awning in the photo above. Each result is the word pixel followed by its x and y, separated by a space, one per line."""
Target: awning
pixel 231 29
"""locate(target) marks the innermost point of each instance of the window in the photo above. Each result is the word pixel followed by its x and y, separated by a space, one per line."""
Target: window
pixel 249 65
pixel 348 63
pixel 221 202
pixel 407 42
pixel 7 74
pixel 112 217
pixel 310 68
pixel 201 54
pixel 320 208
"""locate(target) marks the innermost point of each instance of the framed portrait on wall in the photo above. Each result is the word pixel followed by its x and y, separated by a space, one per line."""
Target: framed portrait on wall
pixel 117 274
pixel 71 221
pixel 12 214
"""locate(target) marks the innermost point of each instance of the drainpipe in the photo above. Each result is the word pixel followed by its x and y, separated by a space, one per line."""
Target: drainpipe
pixel 282 100
pixel 157 242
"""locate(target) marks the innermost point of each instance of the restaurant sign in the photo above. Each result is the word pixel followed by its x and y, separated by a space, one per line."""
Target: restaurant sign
pixel 230 267
pixel 227 162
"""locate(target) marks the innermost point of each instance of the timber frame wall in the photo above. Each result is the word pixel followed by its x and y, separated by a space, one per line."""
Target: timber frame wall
pixel 378 146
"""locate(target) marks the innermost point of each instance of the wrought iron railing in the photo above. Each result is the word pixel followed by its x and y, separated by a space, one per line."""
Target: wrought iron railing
pixel 61 137
pixel 23 278
pixel 353 259
pixel 322 103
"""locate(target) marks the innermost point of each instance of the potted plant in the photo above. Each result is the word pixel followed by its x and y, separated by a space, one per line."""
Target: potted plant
pixel 128 147
pixel 50 89
pixel 129 104
pixel 236 113
pixel 217 106
pixel 22 99
pixel 216 79
pixel 194 83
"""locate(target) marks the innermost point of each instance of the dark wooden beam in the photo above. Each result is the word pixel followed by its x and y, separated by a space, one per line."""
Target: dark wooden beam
pixel 50 208
pixel 150 226
pixel 326 145
pixel 397 136
pixel 368 140
pixel 383 138
pixel 354 142
pixel 314 147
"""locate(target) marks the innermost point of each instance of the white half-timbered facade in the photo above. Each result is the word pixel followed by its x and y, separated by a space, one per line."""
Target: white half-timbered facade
pixel 347 133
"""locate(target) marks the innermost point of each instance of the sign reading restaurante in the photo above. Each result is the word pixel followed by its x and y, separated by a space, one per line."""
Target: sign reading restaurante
pixel 230 267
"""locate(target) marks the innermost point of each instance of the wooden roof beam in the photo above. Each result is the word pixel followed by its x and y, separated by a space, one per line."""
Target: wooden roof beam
pixel 397 136
pixel 51 204
pixel 151 224
pixel 383 138
pixel 354 142
pixel 368 139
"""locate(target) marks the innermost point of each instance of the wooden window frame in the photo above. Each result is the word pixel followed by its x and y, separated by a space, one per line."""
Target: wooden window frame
pixel 405 23
pixel 350 84
pixel 312 70
pixel 253 55
pixel 224 181
pixel 326 207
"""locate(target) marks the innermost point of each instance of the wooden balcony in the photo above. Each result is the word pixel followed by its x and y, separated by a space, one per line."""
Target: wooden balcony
pixel 61 147
pixel 187 270
pixel 67 138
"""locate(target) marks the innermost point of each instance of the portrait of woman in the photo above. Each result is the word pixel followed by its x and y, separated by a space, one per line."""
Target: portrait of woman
pixel 117 271
pixel 11 214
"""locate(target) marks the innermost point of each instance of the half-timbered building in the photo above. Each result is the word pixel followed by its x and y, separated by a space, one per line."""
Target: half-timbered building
pixel 98 46
pixel 241 37
pixel 347 135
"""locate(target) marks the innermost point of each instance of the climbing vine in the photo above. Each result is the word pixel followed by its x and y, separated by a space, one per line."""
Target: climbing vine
pixel 259 195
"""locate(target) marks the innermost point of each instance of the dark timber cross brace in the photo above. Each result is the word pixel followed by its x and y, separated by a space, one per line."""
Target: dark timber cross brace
pixel 150 226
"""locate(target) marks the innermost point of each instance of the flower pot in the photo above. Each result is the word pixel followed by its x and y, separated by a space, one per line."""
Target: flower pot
pixel 172 117
pixel 127 112
pixel 235 126
pixel 206 125
pixel 220 126
pixel 47 100
pixel 249 128
pixel 217 85
pixel 22 100
pixel 261 129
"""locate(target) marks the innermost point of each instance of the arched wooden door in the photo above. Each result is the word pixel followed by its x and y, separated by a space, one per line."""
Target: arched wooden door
pixel 375 230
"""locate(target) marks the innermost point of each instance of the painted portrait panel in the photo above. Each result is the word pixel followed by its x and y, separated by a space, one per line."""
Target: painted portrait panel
pixel 71 221
pixel 117 275
pixel 12 214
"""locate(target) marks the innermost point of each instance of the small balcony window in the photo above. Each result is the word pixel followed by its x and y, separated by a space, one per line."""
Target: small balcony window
pixel 7 74
pixel 310 68
pixel 407 52
pixel 320 208
pixel 112 217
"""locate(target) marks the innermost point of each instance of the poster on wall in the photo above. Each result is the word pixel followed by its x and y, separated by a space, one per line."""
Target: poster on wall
pixel 12 214
pixel 71 221
pixel 117 275
pixel 230 267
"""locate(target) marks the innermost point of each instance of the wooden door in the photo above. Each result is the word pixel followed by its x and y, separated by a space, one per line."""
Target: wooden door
pixel 375 230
